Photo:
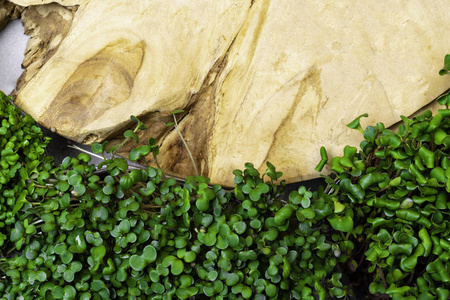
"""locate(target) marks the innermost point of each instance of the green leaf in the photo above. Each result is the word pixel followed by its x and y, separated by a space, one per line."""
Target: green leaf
pixel 110 268
pixel 376 287
pixel 137 262
pixel 341 223
pixel 255 223
pixel 208 291
pixel 263 188
pixel 233 240
pixel 446 68
pixel 283 214
pixel 355 123
pixel 134 155
pixel 114 149
pixel 206 220
pixel 149 254
pixel 336 165
pixel 190 256
pixel 212 275
pixel 210 239
pixel 78 245
pixel 180 242
pixel 408 264
pixel 98 148
pixel 144 150
pixel 21 200
pixel 99 213
pixel 255 195
pixel 49 222
pixel 79 189
pixel 186 292
pixel 407 214
pixel 97 285
pixel 149 189
pixel 309 213
pixel 69 292
pixel 272 173
pixel 17 232
pixel 131 134
pixel 397 249
pixel 427 157
pixel 93 238
pixel 108 189
pixel 355 190
pixel 323 160
pixel 126 182
pixel 177 267
pixel 305 202
pixel 134 119
pixel 442 293
pixel 62 185
pixel 168 260
pixel 245 291
pixel 98 253
pixel 391 140
pixel 238 179
pixel 231 279
pixel 41 276
pixel 442 100
pixel 75 179
pixel 207 195
pixel 239 227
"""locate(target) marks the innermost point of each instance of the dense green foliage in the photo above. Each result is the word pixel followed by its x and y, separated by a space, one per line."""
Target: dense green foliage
pixel 396 187
pixel 22 159
pixel 77 231
pixel 395 190
pixel 71 233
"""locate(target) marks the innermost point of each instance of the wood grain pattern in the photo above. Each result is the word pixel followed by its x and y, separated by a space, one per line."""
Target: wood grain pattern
pixel 87 92
pixel 258 80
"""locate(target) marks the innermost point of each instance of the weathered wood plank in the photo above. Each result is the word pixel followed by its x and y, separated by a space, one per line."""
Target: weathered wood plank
pixel 258 80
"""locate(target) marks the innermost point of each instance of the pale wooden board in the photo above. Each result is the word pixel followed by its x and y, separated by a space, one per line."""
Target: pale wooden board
pixel 259 80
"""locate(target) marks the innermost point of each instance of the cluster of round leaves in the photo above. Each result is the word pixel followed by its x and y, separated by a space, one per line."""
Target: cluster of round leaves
pixel 394 194
pixel 70 232
pixel 104 238
pixel 22 158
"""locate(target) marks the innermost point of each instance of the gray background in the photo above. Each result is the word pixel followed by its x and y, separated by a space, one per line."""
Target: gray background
pixel 12 49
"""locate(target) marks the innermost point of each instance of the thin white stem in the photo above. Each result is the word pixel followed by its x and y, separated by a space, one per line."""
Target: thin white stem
pixel 86 151
pixel 185 144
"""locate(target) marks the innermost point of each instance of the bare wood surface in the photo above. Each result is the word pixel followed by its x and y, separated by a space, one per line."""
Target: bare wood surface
pixel 258 80
pixel 8 12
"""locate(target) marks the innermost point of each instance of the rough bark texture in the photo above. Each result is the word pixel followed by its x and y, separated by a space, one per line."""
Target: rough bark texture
pixel 47 25
pixel 8 12
pixel 258 80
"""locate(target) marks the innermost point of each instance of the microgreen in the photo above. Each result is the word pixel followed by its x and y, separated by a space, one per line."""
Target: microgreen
pixel 71 233
pixel 391 200
pixel 381 223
